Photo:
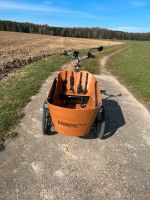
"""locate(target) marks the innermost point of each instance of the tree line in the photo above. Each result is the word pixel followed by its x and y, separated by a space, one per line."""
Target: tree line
pixel 97 33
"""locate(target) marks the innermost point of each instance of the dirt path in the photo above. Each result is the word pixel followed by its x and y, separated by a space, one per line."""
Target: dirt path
pixel 103 61
pixel 67 168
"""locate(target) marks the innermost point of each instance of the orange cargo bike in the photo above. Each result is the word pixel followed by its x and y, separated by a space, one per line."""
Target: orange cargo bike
pixel 74 104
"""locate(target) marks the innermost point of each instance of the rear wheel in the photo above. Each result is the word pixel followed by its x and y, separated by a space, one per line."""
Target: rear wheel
pixel 99 124
pixel 46 120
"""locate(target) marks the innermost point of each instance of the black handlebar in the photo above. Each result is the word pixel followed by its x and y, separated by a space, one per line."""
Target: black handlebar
pixel 75 54
pixel 97 48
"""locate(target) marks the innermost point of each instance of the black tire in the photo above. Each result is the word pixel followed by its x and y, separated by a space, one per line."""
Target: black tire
pixel 99 124
pixel 46 120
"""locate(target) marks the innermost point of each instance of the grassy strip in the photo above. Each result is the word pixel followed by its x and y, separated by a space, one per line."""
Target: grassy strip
pixel 92 65
pixel 132 67
pixel 16 90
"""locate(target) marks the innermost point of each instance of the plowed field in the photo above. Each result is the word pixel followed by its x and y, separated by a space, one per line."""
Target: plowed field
pixel 19 49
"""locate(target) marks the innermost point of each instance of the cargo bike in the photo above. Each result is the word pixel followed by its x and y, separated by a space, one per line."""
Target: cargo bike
pixel 73 106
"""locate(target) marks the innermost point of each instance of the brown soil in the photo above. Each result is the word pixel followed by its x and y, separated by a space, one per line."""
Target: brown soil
pixel 19 49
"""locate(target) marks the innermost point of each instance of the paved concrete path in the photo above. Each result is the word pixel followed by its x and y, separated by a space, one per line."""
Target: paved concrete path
pixel 38 167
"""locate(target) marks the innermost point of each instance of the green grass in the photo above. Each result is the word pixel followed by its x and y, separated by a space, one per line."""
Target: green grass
pixel 132 67
pixel 16 90
pixel 93 65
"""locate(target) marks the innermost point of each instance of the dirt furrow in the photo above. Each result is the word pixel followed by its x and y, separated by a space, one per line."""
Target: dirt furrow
pixel 19 49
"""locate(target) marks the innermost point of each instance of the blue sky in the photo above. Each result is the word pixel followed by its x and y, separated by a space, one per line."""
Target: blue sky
pixel 130 15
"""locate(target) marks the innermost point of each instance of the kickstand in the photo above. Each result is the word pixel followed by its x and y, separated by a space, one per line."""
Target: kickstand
pixel 110 95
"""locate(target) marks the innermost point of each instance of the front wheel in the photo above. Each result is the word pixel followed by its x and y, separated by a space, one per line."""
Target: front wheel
pixel 46 120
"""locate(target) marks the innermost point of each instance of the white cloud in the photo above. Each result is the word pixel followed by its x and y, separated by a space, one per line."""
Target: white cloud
pixel 47 9
pixel 29 7
pixel 138 3
pixel 48 2
pixel 133 29
pixel 6 5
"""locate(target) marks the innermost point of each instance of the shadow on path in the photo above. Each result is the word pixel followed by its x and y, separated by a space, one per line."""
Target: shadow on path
pixel 114 119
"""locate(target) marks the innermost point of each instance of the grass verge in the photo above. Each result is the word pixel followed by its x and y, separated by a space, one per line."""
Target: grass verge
pixel 93 65
pixel 17 88
pixel 132 68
